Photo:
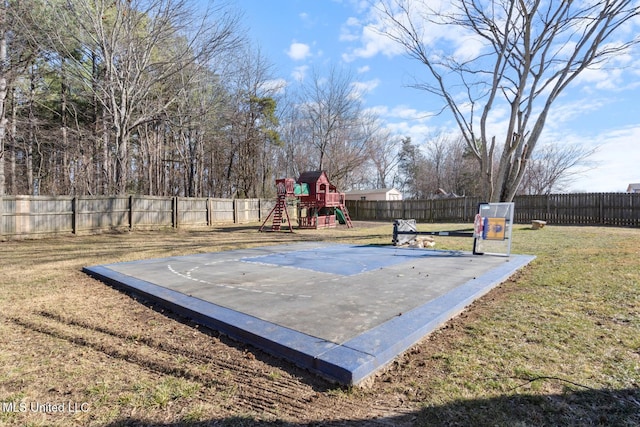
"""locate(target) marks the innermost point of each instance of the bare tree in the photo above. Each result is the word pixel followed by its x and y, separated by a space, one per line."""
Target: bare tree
pixel 140 44
pixel 448 166
pixel 554 166
pixel 523 55
pixel 383 151
pixel 295 156
pixel 17 50
pixel 462 171
pixel 412 174
pixel 338 127
pixel 253 123
pixel 437 152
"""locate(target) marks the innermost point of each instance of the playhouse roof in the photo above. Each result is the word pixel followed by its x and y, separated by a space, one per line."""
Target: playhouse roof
pixel 312 176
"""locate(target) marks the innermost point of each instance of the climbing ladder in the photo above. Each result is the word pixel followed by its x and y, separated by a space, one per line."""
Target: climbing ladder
pixel 280 206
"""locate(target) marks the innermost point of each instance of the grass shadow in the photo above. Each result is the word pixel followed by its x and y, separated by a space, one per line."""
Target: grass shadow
pixel 591 407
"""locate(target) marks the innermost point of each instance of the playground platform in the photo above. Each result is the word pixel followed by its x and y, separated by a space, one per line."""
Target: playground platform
pixel 340 311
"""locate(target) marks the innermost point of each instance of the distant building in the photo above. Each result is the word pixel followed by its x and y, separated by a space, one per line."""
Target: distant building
pixel 633 188
pixel 375 194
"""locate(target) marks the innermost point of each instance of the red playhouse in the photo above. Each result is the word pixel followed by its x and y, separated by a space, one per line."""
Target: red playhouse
pixel 320 202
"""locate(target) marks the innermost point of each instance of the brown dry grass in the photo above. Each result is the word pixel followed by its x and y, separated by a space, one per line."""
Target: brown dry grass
pixel 559 344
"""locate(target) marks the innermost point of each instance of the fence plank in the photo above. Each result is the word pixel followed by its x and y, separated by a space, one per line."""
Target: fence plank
pixel 192 212
pixel 222 211
pixel 247 210
pixel 97 213
pixel 152 212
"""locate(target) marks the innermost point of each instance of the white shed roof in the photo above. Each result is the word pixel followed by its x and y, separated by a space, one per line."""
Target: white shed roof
pixel 633 188
pixel 374 191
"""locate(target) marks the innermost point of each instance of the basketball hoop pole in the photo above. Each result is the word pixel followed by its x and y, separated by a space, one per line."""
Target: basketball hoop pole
pixel 451 233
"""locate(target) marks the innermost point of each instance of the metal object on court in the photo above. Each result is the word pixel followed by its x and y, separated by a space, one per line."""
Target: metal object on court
pixel 491 233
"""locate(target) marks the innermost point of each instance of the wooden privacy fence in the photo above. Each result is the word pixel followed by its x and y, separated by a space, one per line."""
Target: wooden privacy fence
pixel 29 216
pixel 621 209
pixel 461 209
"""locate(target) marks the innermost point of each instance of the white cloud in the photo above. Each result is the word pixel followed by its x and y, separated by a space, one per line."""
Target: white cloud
pixel 373 43
pixel 406 113
pixel 299 51
pixel 307 20
pixel 601 79
pixel 405 121
pixel 349 31
pixel 468 47
pixel 299 73
pixel 418 132
pixel 617 162
pixel 563 111
pixel 371 32
pixel 610 75
pixel 378 110
pixel 362 88
pixel 363 69
pixel 275 86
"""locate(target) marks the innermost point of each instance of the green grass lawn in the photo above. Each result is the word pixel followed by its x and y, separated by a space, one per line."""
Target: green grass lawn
pixel 565 330
pixel 557 344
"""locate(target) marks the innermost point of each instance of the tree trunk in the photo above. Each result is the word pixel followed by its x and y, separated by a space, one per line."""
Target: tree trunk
pixel 14 134
pixel 31 137
pixel 3 93
pixel 70 176
pixel 122 161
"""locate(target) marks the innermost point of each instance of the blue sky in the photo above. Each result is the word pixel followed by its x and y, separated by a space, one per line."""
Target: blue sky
pixel 601 109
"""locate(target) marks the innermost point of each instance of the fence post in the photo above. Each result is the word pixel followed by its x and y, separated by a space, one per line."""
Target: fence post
pixel 464 213
pixel 209 215
pixel 260 209
pixel 174 212
pixel 74 215
pixel 235 211
pixel 1 215
pixel 131 212
pixel 548 200
pixel 430 203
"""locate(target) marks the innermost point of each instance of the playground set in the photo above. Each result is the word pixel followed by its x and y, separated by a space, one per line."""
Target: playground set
pixel 320 203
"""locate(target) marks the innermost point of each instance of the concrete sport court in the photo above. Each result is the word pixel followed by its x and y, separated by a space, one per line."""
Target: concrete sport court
pixel 340 311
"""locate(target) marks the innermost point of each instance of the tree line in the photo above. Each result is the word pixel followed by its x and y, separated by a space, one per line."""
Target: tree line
pixel 159 97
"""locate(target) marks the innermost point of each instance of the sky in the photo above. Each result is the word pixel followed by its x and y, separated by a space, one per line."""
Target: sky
pixel 600 109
